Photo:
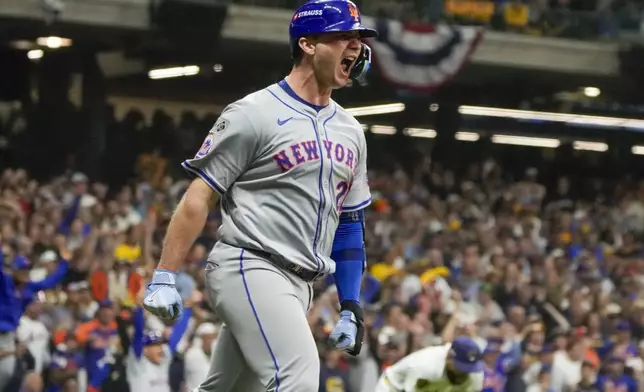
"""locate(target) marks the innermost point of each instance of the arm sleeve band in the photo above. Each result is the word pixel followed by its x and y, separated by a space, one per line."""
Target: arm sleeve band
pixel 349 255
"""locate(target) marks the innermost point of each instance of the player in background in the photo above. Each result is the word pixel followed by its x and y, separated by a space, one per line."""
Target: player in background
pixel 290 166
pixel 17 291
pixel 455 366
pixel 148 363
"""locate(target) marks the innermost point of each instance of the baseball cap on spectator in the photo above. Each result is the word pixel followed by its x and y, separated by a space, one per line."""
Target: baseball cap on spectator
pixel 493 346
pixel 153 337
pixel 78 177
pixel 206 329
pixel 106 303
pixel 466 355
pixel 47 257
pixel 78 286
pixel 623 326
pixel 21 263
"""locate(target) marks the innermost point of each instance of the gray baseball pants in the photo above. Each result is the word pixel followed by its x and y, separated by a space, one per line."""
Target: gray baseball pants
pixel 266 344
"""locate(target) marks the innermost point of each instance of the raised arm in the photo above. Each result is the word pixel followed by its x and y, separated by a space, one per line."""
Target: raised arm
pixel 138 321
pixel 178 330
pixel 52 280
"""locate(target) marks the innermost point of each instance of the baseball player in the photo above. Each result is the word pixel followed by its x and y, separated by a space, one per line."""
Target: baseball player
pixel 451 367
pixel 290 167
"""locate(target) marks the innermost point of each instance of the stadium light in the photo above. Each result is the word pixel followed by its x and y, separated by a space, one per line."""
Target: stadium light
pixel 590 146
pixel 526 141
pixel 467 136
pixel 592 92
pixel 420 132
pixel 637 150
pixel 376 109
pixel 54 42
pixel 35 54
pixel 383 129
pixel 164 73
pixel 566 118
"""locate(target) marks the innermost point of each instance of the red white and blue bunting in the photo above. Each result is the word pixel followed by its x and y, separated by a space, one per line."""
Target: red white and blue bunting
pixel 422 57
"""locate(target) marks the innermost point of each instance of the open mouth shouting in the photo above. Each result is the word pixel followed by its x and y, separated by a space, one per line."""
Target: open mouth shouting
pixel 347 63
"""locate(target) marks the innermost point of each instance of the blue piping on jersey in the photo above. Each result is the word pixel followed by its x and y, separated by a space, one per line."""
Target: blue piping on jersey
pixel 288 90
pixel 320 193
pixel 326 135
pixel 204 176
pixel 357 206
pixel 259 323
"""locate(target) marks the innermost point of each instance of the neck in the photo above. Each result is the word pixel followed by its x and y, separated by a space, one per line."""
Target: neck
pixel 303 82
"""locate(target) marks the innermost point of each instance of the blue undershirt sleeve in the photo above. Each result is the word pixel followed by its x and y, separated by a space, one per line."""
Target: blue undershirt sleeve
pixel 349 255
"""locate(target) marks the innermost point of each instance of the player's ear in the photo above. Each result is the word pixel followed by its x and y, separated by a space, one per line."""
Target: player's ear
pixel 307 45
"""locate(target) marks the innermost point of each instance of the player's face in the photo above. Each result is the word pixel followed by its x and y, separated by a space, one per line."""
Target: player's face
pixel 453 373
pixel 335 55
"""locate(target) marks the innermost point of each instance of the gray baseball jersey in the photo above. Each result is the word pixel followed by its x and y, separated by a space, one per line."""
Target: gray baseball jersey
pixel 285 170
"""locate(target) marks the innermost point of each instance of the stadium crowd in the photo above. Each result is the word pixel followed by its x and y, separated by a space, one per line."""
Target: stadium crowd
pixel 548 280
pixel 578 19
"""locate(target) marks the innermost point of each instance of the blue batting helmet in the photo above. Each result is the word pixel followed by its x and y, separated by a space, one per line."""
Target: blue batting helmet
pixel 332 16
pixel 327 16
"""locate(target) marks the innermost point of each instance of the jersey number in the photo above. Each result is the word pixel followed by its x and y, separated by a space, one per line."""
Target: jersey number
pixel 342 188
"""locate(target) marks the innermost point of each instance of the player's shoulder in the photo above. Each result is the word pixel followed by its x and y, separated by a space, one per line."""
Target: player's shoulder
pixel 431 354
pixel 248 103
pixel 344 115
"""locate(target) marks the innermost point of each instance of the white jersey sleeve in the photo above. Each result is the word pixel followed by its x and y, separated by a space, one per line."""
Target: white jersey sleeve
pixel 359 195
pixel 227 151
pixel 428 364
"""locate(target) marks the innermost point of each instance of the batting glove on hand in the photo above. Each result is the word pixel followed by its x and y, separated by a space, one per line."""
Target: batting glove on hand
pixel 162 298
pixel 349 330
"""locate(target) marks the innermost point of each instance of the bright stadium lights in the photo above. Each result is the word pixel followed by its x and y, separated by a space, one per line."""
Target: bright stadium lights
pixel 592 92
pixel 35 54
pixel 420 132
pixel 383 130
pixel 637 150
pixel 467 136
pixel 54 42
pixel 590 146
pixel 164 73
pixel 376 109
pixel 566 118
pixel 526 141
pixel 218 68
